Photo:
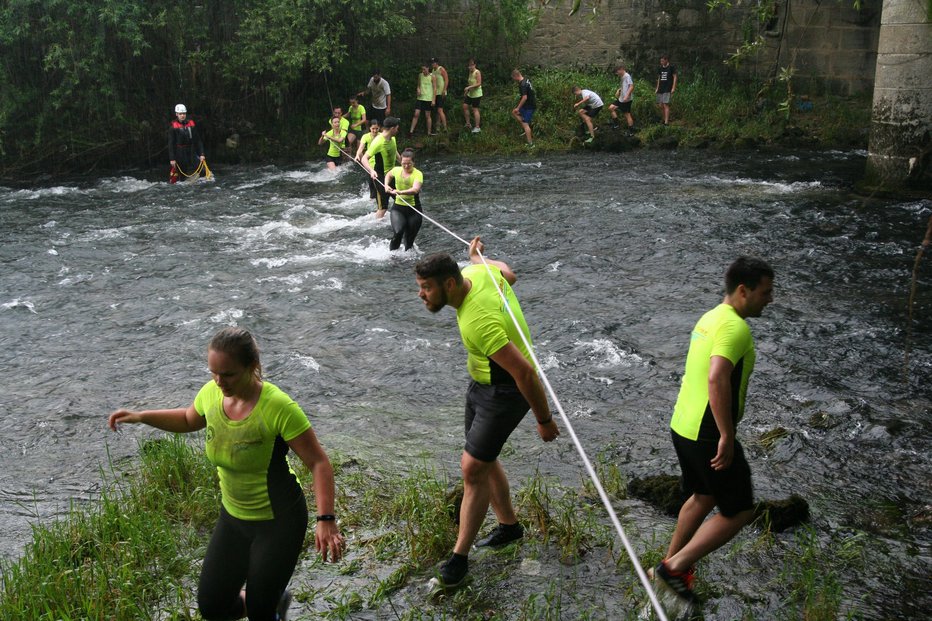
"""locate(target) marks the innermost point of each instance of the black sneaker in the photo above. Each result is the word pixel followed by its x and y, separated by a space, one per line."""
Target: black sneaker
pixel 680 583
pixel 283 604
pixel 501 535
pixel 452 573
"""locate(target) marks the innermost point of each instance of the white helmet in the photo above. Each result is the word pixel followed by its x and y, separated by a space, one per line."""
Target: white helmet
pixel 180 109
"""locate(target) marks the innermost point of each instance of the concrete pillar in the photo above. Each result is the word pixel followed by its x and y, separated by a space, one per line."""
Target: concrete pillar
pixel 900 151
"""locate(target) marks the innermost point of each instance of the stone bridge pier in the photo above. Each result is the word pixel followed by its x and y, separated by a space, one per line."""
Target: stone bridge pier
pixel 900 151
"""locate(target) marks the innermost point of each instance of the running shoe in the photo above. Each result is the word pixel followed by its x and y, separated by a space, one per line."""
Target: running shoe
pixel 452 573
pixel 282 610
pixel 501 535
pixel 678 582
pixel 529 145
pixel 589 140
pixel 476 130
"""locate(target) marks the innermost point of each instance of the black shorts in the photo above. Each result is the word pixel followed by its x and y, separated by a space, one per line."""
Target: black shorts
pixel 426 106
pixel 335 159
pixel 472 101
pixel 440 100
pixel 493 411
pixel 593 112
pixel 622 106
pixel 731 488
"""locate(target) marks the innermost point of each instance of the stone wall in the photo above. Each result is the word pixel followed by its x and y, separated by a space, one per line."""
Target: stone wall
pixel 832 45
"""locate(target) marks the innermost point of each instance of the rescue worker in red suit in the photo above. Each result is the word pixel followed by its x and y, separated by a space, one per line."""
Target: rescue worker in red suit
pixel 185 149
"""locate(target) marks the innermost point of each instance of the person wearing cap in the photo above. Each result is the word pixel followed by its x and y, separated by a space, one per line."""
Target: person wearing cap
pixel 426 98
pixel 443 81
pixel 381 156
pixel 380 105
pixel 185 149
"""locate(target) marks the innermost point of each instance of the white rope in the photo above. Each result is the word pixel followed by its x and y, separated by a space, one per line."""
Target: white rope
pixel 566 421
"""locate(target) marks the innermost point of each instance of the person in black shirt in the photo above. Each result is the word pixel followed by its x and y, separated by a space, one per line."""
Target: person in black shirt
pixel 524 111
pixel 185 149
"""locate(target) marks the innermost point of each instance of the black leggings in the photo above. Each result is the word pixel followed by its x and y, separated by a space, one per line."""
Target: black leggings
pixel 262 555
pixel 406 223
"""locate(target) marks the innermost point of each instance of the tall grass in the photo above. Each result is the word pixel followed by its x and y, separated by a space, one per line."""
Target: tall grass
pixel 127 557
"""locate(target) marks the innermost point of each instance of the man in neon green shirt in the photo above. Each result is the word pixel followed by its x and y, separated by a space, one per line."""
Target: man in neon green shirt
pixel 504 386
pixel 705 418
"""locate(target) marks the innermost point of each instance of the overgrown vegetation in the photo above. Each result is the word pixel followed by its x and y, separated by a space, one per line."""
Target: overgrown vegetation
pixel 135 554
pixel 89 85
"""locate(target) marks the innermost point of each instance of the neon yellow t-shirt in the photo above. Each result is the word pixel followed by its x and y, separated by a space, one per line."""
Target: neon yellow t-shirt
pixel 406 184
pixel 486 326
pixel 441 85
pixel 355 117
pixel 426 84
pixel 382 153
pixel 720 332
pixel 473 78
pixel 333 149
pixel 255 478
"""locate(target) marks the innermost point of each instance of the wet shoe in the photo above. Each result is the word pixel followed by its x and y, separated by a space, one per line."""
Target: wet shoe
pixel 453 573
pixel 502 534
pixel 529 145
pixel 589 140
pixel 282 610
pixel 476 130
pixel 680 583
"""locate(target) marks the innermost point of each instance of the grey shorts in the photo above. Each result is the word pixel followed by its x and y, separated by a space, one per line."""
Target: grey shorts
pixel 663 98
pixel 493 411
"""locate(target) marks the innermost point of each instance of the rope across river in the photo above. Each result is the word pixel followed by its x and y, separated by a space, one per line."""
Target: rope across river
pixel 590 470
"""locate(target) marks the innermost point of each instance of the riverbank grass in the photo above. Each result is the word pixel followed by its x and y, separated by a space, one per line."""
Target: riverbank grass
pixel 136 553
pixel 706 112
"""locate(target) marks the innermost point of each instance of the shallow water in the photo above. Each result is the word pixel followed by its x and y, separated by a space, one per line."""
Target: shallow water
pixel 110 289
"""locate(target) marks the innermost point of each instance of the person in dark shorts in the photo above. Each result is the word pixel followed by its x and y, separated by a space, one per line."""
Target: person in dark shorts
pixel 527 103
pixel 472 96
pixel 504 386
pixel 380 157
pixel 623 98
pixel 380 106
pixel 335 137
pixel 588 107
pixel 443 83
pixel 707 411
pixel 251 425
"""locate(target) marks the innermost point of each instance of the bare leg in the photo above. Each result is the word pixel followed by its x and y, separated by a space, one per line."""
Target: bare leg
pixel 711 535
pixel 417 114
pixel 476 115
pixel 501 494
pixel 477 491
pixel 466 115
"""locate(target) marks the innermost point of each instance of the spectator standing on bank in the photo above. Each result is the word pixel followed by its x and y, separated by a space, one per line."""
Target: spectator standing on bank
pixel 666 86
pixel 472 96
pixel 443 82
pixel 380 106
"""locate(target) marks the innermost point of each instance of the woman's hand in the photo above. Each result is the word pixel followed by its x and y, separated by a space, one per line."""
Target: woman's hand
pixel 328 540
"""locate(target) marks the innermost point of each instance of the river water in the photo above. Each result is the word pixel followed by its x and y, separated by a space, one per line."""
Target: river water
pixel 110 289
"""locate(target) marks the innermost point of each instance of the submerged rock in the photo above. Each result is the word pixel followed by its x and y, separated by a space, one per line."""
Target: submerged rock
pixel 663 491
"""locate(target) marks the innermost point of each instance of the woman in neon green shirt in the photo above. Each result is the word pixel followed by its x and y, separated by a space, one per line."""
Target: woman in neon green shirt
pixel 336 138
pixel 251 425
pixel 404 183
